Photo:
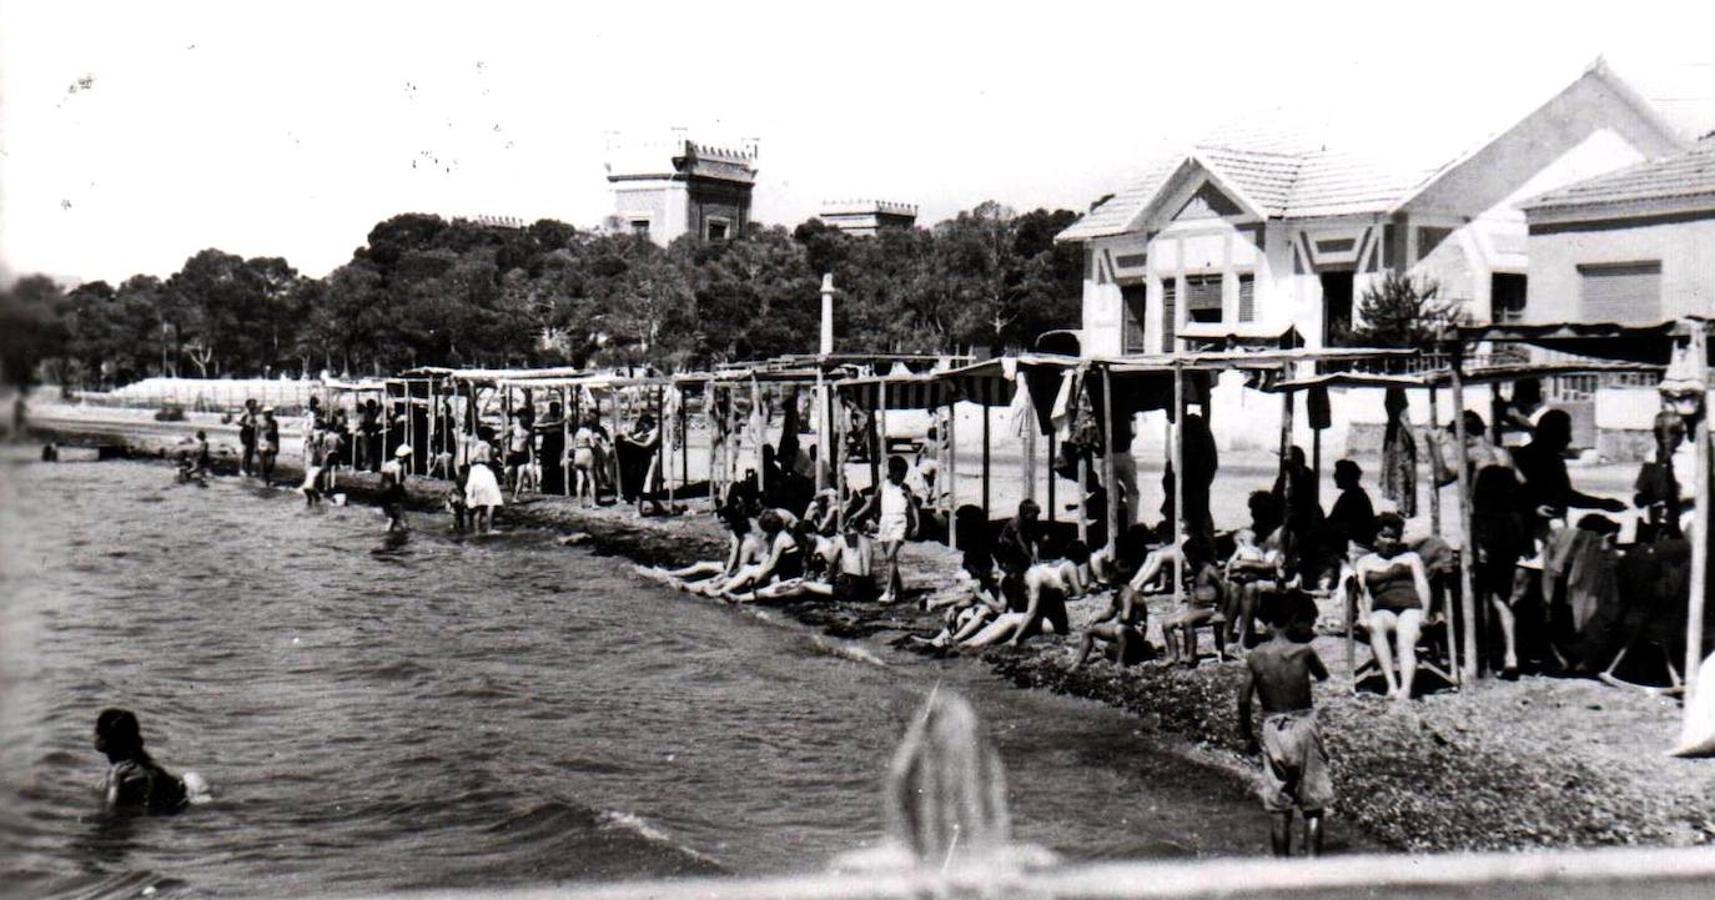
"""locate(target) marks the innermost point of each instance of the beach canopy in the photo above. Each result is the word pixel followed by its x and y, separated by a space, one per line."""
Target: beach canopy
pixel 1499 373
pixel 896 391
pixel 1652 344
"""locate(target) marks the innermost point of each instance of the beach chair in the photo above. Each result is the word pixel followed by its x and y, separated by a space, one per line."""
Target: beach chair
pixel 1437 642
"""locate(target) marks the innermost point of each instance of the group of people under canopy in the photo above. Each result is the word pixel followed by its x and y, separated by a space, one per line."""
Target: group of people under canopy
pixel 1546 560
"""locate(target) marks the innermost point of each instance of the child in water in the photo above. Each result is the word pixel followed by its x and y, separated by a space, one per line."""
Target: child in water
pixel 134 779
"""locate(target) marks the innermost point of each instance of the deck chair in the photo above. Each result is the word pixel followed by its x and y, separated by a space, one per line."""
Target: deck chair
pixel 1437 642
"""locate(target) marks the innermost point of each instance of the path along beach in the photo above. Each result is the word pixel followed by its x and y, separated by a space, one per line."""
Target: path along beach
pixel 1498 765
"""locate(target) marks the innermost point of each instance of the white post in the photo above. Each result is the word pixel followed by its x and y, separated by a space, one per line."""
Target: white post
pixel 827 345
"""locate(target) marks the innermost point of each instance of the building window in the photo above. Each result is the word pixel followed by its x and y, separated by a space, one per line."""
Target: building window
pixel 1133 307
pixel 1247 298
pixel 1429 238
pixel 1203 298
pixel 717 230
pixel 1506 298
pixel 1628 293
pixel 1169 313
pixel 640 228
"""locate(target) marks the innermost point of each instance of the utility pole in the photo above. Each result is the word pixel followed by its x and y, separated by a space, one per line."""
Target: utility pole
pixel 824 404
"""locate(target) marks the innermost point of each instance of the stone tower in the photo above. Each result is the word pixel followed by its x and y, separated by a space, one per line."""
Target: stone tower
pixel 663 189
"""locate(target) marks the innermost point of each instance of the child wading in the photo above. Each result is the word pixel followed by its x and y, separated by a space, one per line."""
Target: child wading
pixel 1294 761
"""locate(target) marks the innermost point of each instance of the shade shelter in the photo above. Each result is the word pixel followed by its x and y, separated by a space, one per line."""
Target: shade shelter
pixel 1434 381
pixel 1683 347
pixel 620 390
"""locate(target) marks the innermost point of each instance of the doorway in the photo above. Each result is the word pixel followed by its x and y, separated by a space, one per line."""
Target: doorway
pixel 1336 308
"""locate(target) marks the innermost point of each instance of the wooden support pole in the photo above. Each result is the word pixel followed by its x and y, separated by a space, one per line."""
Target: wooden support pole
pixel 987 514
pixel 1434 476
pixel 1052 477
pixel 881 427
pixel 565 442
pixel 1468 550
pixel 821 404
pixel 1699 577
pixel 1287 538
pixel 711 411
pixel 684 438
pixel 759 425
pixel 1178 487
pixel 1113 510
pixel 952 475
pixel 840 420
pixel 1027 458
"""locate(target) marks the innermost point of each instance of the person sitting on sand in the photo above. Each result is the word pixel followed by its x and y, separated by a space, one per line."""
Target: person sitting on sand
pixel 782 559
pixel 134 780
pixel 1120 631
pixel 1024 533
pixel 187 470
pixel 1252 570
pixel 1294 760
pixel 897 521
pixel 824 569
pixel 823 513
pixel 1035 601
pixel 1200 605
pixel 745 547
pixel 1394 597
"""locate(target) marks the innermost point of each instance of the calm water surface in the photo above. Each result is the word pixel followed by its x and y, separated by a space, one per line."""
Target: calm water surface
pixel 490 711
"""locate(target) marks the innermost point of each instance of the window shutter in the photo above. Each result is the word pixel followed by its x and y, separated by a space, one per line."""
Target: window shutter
pixel 1625 292
pixel 1169 314
pixel 1247 298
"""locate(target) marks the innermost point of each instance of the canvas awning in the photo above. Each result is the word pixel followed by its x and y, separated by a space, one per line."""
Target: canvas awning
pixel 1652 344
pixel 1441 378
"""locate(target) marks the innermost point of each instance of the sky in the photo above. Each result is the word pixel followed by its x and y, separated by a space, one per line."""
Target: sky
pixel 134 135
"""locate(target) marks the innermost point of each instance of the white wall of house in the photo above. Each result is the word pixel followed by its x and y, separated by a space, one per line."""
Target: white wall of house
pixel 1685 249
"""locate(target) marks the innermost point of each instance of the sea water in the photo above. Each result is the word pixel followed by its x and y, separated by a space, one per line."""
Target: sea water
pixel 456 712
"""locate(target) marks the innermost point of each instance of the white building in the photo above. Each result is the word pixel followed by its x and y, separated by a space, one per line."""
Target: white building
pixel 1270 231
pixel 866 217
pixel 1634 246
pixel 664 189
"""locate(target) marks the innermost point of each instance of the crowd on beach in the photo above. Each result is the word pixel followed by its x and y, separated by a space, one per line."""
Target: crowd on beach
pixel 1259 588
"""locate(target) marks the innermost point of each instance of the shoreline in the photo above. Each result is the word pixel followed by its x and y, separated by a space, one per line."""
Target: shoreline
pixel 1542 762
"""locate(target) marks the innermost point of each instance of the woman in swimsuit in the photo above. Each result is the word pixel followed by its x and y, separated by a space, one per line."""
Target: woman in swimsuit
pixel 584 462
pixel 1395 599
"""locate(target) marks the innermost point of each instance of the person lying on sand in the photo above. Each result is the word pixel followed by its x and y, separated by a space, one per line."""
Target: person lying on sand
pixel 134 780
pixel 972 607
pixel 1294 760
pixel 1035 601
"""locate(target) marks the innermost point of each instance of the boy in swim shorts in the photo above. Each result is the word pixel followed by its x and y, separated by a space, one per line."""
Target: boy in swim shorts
pixel 134 779
pixel 1294 760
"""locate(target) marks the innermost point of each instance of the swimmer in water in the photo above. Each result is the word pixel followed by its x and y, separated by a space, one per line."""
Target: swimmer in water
pixel 134 780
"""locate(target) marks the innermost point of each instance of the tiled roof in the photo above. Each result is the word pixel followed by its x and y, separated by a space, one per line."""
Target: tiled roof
pixel 1282 162
pixel 1117 211
pixel 1691 174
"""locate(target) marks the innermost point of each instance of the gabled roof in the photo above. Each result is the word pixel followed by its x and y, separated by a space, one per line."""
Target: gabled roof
pixel 1286 170
pixel 1687 176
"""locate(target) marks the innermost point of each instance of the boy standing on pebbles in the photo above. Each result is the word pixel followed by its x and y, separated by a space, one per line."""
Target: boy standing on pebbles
pixel 1294 761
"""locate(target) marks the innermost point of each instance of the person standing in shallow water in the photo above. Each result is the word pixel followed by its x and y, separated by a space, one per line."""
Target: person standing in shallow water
pixel 268 443
pixel 247 438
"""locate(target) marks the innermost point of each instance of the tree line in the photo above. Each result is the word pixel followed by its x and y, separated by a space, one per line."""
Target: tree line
pixel 424 290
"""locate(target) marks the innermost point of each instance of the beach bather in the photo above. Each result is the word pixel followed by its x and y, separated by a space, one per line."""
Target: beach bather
pixel 1394 598
pixel 1294 760
pixel 1119 631
pixel 393 488
pixel 745 547
pixel 896 520
pixel 1035 601
pixel 782 559
pixel 134 780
